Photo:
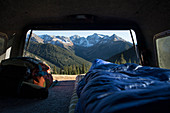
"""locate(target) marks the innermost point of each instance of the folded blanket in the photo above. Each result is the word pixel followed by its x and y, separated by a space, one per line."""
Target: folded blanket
pixel 127 88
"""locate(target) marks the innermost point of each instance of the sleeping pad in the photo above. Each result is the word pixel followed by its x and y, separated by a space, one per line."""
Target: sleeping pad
pixel 125 88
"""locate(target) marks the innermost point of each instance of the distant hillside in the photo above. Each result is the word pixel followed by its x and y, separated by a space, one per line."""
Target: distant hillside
pixel 102 51
pixel 90 47
pixel 56 55
pixel 129 55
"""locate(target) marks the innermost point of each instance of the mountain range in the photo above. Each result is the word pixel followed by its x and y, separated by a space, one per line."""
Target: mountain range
pixel 90 47
pixel 76 40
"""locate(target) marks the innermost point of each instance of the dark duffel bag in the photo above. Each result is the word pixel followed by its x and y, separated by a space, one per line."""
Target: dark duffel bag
pixel 12 83
pixel 29 90
pixel 11 78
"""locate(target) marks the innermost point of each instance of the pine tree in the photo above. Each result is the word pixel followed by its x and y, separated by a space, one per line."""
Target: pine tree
pixel 87 68
pixel 116 62
pixel 122 60
pixel 70 70
pixel 57 70
pixel 54 70
pixel 129 61
pixel 74 70
pixel 80 69
pixel 83 69
pixel 77 69
pixel 61 71
pixel 66 70
pixel 135 61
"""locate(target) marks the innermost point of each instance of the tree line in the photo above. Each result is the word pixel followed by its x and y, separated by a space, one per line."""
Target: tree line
pixel 122 60
pixel 71 70
pixel 81 69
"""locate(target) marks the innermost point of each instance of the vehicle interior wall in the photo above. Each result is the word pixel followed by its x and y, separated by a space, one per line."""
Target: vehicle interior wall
pixel 152 17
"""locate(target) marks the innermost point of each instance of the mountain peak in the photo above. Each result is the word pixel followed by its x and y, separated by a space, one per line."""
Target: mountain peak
pixel 95 34
pixel 90 41
pixel 114 35
pixel 74 37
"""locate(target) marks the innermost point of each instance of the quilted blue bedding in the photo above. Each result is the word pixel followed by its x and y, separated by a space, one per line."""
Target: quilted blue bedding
pixel 125 88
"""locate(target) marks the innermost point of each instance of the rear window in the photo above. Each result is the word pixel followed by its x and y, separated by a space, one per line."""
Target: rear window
pixel 75 50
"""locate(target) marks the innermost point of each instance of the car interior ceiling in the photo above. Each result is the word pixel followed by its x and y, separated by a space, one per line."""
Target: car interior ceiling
pixel 145 17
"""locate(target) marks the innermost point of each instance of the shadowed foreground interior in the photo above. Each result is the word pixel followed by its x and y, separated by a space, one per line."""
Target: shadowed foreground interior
pixel 57 102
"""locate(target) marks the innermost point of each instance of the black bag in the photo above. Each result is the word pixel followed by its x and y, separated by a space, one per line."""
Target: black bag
pixel 29 90
pixel 11 78
pixel 39 71
pixel 13 83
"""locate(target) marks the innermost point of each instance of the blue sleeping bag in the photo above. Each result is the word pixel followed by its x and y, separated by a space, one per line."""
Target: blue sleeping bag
pixel 125 88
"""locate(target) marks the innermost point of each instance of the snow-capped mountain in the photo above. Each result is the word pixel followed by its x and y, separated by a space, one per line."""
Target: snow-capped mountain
pixel 89 41
pixel 46 38
pixel 90 47
pixel 77 40
pixel 61 40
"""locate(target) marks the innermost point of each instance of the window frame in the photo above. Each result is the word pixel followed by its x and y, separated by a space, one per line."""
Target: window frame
pixel 159 36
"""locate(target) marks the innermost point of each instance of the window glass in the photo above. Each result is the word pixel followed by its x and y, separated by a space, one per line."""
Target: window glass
pixel 66 50
pixel 163 51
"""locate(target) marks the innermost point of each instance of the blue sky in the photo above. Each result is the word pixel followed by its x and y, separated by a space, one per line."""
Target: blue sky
pixel 125 34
